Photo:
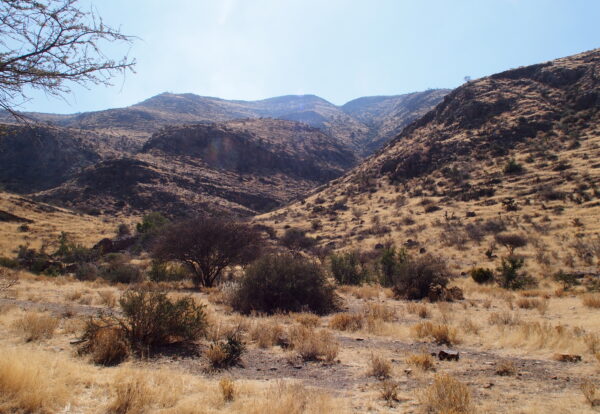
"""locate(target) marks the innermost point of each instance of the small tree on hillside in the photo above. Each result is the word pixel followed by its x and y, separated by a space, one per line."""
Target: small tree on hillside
pixel 207 246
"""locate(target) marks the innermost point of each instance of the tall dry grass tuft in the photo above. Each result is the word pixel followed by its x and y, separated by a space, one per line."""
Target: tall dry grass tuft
pixel 421 361
pixel 591 394
pixel 286 398
pixel 266 332
pixel 33 382
pixel 446 395
pixel 35 326
pixel 138 391
pixel 379 367
pixel 419 309
pixel 227 388
pixel 307 319
pixel 591 300
pixel 313 345
pixel 441 334
pixel 346 321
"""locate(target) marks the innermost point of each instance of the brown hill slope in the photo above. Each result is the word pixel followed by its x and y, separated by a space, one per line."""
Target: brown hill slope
pixel 515 152
pixel 129 128
pixel 244 166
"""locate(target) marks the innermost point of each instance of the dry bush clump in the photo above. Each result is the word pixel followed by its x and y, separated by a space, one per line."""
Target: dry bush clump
pixel 590 392
pixel 36 326
pixel 527 303
pixel 379 367
pixel 389 391
pixel 441 334
pixel 139 391
pixel 266 333
pixel 107 345
pixel 366 292
pixel 311 345
pixel 422 361
pixel 506 368
pixel 107 298
pixel 33 382
pixel 504 318
pixel 446 395
pixel 346 321
pixel 227 387
pixel 225 354
pixel 419 309
pixel 379 311
pixel 470 327
pixel 307 319
pixel 591 300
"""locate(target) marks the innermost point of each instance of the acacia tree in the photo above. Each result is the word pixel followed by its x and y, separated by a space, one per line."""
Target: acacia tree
pixel 50 44
pixel 208 245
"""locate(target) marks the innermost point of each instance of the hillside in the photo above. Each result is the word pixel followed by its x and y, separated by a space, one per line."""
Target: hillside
pixel 516 152
pixel 244 166
pixel 132 126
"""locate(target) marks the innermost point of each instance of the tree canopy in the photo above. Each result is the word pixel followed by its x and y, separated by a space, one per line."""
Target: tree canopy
pixel 51 44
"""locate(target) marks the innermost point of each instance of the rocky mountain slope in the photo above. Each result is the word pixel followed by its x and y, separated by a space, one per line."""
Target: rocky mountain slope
pixel 238 155
pixel 135 124
pixel 516 152
pixel 244 166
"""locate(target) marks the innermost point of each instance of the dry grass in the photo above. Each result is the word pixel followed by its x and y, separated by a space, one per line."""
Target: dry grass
pixel 527 303
pixel 266 332
pixel 591 300
pixel 422 361
pixel 227 388
pixel 441 334
pixel 107 346
pixel 107 298
pixel 388 391
pixel 313 345
pixel 506 368
pixel 379 367
pixel 36 326
pixel 379 311
pixel 419 309
pixel 591 394
pixel 33 381
pixel 504 318
pixel 347 321
pixel 137 391
pixel 446 395
pixel 309 320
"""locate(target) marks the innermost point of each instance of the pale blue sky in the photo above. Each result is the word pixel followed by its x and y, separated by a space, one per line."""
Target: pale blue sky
pixel 337 49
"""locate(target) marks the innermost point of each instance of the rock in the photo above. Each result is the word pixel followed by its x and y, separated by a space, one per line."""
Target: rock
pixel 273 369
pixel 448 355
pixel 408 371
pixel 298 367
pixel 488 385
pixel 422 250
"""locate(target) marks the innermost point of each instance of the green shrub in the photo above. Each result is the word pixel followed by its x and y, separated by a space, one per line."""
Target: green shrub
pixel 513 167
pixel 151 319
pixel 347 269
pixel 509 275
pixel 86 271
pixel 118 271
pixel 284 282
pixel 568 280
pixel 296 239
pixel 482 276
pixel 226 354
pixel 390 262
pixel 417 277
pixel 167 272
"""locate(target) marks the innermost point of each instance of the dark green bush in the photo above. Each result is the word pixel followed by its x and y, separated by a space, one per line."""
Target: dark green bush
pixel 167 272
pixel 287 283
pixel 347 269
pixel 513 167
pixel 390 262
pixel 117 270
pixel 482 276
pixel 416 277
pixel 86 271
pixel 151 319
pixel 568 280
pixel 296 239
pixel 509 275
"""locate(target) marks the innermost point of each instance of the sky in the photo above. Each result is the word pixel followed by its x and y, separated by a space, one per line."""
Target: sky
pixel 336 49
